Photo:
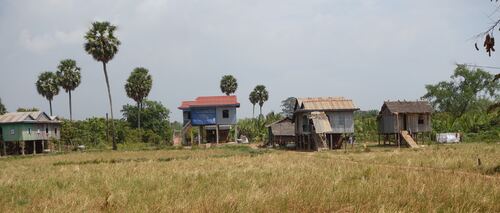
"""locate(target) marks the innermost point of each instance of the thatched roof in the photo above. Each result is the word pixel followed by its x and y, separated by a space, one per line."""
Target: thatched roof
pixel 283 127
pixel 325 104
pixel 407 107
pixel 321 122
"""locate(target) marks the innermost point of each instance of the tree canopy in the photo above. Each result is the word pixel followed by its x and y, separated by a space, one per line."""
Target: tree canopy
pixel 47 86
pixel 262 95
pixel 466 89
pixel 68 75
pixel 102 43
pixel 3 110
pixel 155 116
pixel 228 84
pixel 32 109
pixel 287 106
pixel 139 84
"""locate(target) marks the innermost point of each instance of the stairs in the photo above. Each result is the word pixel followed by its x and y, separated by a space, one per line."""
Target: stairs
pixel 185 128
pixel 320 141
pixel 408 139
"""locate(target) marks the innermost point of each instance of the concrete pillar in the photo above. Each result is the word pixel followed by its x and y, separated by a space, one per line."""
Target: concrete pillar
pixel 23 144
pixel 199 135
pixel 43 146
pixel 217 133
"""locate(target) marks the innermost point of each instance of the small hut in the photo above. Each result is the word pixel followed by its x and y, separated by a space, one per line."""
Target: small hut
pixel 323 123
pixel 281 132
pixel 404 121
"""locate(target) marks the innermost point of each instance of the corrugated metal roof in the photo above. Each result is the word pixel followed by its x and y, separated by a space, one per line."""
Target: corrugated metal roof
pixel 321 122
pixel 283 127
pixel 325 103
pixel 18 117
pixel 211 101
pixel 407 106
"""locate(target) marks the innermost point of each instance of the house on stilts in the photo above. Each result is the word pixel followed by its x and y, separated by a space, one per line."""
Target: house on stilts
pixel 28 132
pixel 214 117
pixel 404 122
pixel 323 123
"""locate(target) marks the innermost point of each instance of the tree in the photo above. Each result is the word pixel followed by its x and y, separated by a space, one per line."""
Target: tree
pixel 287 106
pixel 465 90
pixel 47 86
pixel 69 78
pixel 3 110
pixel 254 100
pixel 155 117
pixel 32 109
pixel 262 95
pixel 228 84
pixel 138 86
pixel 102 44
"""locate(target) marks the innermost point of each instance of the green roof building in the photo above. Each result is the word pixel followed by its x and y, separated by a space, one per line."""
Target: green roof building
pixel 27 132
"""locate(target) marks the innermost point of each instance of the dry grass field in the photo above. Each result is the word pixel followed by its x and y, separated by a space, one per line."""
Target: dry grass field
pixel 444 178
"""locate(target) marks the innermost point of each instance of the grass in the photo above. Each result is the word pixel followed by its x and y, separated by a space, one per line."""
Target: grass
pixel 443 178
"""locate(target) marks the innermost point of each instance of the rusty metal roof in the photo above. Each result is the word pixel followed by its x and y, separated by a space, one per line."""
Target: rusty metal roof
pixel 321 122
pixel 325 104
pixel 27 117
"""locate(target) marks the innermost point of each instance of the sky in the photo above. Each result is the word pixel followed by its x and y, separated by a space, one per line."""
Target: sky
pixel 366 50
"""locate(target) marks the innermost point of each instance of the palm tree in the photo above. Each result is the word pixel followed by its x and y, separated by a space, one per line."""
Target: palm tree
pixel 254 100
pixel 228 84
pixel 3 110
pixel 262 96
pixel 47 86
pixel 69 78
pixel 138 86
pixel 103 45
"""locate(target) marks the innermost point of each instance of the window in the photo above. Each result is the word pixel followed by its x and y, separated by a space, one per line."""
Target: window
pixel 189 115
pixel 29 131
pixel 225 113
pixel 420 119
pixel 12 131
pixel 47 130
pixel 305 124
pixel 55 131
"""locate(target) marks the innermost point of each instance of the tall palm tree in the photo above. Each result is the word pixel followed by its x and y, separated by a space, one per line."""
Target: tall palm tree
pixel 102 44
pixel 254 100
pixel 138 86
pixel 262 96
pixel 228 84
pixel 47 86
pixel 69 78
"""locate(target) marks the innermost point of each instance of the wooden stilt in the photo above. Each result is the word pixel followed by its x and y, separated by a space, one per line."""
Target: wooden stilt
pixel 199 135
pixel 236 133
pixel 23 144
pixel 4 148
pixel 43 146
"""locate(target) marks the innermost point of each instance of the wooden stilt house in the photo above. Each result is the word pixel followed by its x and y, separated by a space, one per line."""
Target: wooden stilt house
pixel 323 123
pixel 404 122
pixel 27 132
pixel 214 116
pixel 281 132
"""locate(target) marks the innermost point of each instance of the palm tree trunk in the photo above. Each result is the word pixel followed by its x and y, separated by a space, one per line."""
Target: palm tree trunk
pixel 253 111
pixel 110 107
pixel 260 109
pixel 70 109
pixel 50 105
pixel 139 106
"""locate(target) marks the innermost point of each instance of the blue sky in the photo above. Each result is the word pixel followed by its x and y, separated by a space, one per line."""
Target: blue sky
pixel 369 51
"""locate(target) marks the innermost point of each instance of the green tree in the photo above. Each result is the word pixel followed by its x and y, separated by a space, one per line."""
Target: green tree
pixel 262 96
pixel 228 84
pixel 138 86
pixel 466 88
pixel 3 110
pixel 69 78
pixel 47 86
pixel 32 109
pixel 155 117
pixel 254 100
pixel 287 106
pixel 102 44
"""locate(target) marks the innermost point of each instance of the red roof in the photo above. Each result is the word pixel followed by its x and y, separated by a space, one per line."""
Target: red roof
pixel 211 101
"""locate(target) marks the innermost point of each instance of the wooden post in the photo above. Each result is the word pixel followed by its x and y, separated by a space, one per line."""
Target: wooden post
pixel 34 147
pixel 43 146
pixel 236 133
pixel 217 133
pixel 4 147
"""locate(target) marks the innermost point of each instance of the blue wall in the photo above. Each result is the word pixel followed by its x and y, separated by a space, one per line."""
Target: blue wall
pixel 203 116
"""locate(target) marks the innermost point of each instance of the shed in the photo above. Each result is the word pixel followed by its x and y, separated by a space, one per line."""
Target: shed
pixel 281 132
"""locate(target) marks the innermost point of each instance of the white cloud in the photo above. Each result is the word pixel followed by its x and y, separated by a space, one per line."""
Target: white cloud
pixel 41 43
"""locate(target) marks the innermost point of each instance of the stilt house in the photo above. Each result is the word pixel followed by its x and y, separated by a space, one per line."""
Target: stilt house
pixel 214 116
pixel 323 123
pixel 28 132
pixel 404 121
